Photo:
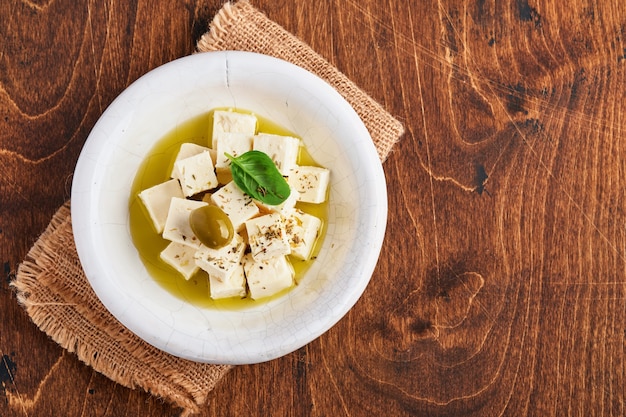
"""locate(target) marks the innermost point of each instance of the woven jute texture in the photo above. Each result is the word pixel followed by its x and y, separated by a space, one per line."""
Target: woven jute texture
pixel 54 291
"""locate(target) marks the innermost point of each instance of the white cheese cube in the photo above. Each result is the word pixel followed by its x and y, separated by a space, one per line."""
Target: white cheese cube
pixel 188 149
pixel 180 257
pixel 220 263
pixel 267 237
pixel 233 286
pixel 177 228
pixel 233 122
pixel 234 144
pixel 156 200
pixel 283 150
pixel 302 230
pixel 235 203
pixel 283 207
pixel 266 278
pixel 310 182
pixel 195 173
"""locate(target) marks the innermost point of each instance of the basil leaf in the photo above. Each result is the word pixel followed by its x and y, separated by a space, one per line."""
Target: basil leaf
pixel 256 174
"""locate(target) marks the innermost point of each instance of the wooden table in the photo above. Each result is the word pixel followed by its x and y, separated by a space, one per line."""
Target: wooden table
pixel 501 285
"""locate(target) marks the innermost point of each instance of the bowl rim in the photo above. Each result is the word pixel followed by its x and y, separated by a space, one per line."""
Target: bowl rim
pixel 84 214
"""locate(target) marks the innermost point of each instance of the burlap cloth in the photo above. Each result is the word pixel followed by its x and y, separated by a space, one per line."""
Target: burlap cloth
pixel 52 287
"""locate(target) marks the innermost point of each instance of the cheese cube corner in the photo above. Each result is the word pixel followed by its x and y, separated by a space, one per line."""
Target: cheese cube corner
pixel 302 230
pixel 267 237
pixel 177 228
pixel 180 257
pixel 156 201
pixel 268 277
pixel 195 173
pixel 310 182
pixel 283 150
pixel 188 149
pixel 233 286
pixel 237 205
pixel 220 263
pixel 233 122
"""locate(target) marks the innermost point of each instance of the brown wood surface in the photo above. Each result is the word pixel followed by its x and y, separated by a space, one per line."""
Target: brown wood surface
pixel 501 285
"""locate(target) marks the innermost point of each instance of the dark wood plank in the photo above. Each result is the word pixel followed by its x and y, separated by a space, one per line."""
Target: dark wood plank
pixel 501 285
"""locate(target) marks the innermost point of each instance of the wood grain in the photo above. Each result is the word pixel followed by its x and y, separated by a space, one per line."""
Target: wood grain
pixel 501 285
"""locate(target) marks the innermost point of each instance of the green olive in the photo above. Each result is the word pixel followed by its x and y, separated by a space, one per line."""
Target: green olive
pixel 211 226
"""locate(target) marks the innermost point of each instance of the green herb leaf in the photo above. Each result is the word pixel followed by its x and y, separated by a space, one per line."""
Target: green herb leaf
pixel 256 174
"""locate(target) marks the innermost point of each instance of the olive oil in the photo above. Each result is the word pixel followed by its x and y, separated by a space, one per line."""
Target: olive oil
pixel 155 169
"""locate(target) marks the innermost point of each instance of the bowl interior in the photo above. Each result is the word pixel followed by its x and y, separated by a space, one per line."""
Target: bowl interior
pixel 169 96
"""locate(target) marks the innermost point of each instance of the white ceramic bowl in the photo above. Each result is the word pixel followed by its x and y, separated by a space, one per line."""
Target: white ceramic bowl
pixel 283 93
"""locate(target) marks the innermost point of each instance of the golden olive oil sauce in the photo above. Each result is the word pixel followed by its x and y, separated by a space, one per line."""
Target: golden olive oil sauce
pixel 155 169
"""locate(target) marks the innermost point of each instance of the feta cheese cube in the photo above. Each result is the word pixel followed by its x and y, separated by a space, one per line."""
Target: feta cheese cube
pixel 267 277
pixel 234 144
pixel 267 237
pixel 283 207
pixel 310 182
pixel 188 149
pixel 157 199
pixel 195 173
pixel 220 263
pixel 233 122
pixel 283 150
pixel 302 230
pixel 177 228
pixel 235 203
pixel 233 286
pixel 180 257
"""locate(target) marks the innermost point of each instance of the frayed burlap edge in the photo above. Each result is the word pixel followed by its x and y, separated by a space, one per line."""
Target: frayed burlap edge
pixel 51 286
pixel 240 26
